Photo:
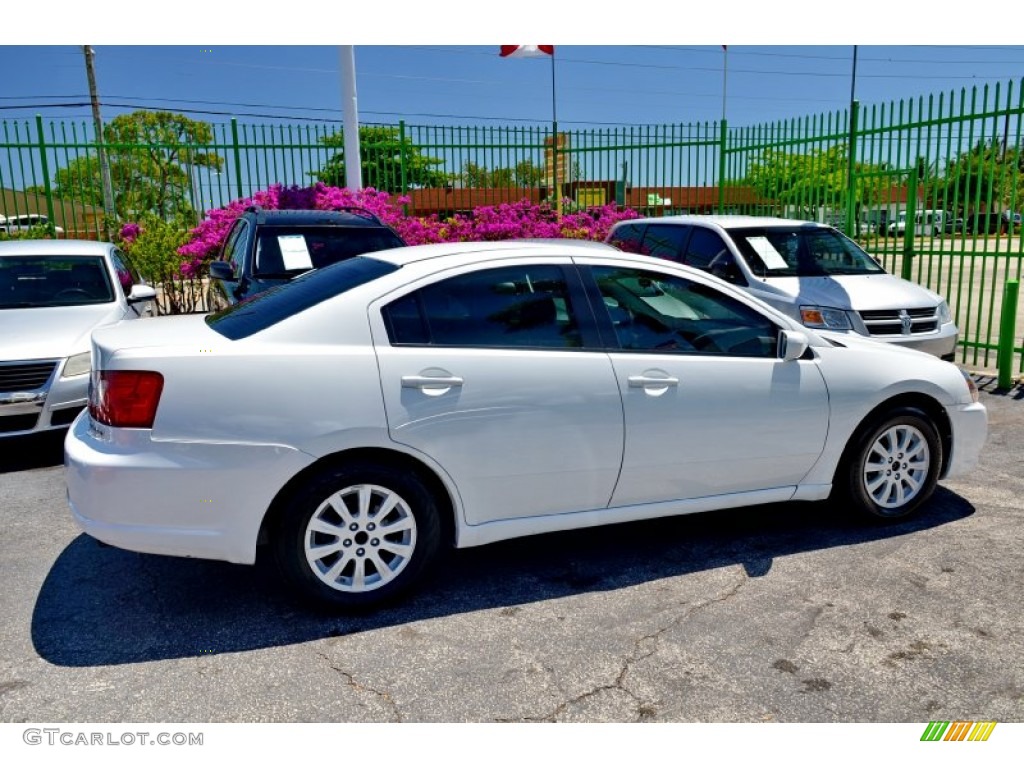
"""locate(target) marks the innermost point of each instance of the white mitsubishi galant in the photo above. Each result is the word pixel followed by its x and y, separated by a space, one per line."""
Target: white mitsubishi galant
pixel 361 418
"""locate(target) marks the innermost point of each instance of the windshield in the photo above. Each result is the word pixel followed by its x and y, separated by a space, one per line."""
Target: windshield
pixel 53 281
pixel 800 251
pixel 289 250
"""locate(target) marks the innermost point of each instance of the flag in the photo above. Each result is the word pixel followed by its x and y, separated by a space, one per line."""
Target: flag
pixel 527 51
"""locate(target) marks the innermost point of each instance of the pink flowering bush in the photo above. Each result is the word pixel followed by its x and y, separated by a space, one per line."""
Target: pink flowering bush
pixel 500 222
pixel 177 257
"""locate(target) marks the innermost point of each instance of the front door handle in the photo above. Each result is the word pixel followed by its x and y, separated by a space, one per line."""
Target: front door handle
pixel 653 381
pixel 432 382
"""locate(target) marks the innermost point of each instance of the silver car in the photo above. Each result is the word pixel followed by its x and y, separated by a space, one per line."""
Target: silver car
pixel 809 271
pixel 53 293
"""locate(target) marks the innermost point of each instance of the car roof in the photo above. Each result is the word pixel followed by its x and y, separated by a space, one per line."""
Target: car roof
pixel 44 247
pixel 726 221
pixel 475 251
pixel 308 216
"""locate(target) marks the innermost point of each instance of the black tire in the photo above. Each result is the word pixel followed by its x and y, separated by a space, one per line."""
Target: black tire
pixel 379 531
pixel 891 465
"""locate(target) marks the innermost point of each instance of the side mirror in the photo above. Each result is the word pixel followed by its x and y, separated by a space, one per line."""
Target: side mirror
pixel 222 270
pixel 792 345
pixel 141 293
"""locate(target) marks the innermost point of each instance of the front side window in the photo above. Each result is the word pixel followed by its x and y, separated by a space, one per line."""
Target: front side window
pixel 526 306
pixel 704 248
pixel 126 274
pixel 233 246
pixel 654 312
pixel 802 252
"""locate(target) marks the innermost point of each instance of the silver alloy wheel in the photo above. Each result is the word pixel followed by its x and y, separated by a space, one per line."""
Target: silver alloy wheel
pixel 896 466
pixel 360 538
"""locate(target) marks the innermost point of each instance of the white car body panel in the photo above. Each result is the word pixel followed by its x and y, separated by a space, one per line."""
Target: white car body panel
pixel 532 441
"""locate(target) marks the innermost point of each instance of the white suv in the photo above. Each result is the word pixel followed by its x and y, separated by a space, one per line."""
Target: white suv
pixel 810 271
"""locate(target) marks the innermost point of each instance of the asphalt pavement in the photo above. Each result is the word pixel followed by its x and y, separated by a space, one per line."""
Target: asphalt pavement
pixel 775 613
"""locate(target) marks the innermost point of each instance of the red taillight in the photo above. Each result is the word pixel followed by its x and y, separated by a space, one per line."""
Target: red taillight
pixel 125 398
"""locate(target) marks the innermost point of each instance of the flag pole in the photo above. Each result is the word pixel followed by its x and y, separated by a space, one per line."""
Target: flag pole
pixel 725 76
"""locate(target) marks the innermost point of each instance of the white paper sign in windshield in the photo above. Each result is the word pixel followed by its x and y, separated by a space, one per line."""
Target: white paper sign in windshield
pixel 294 252
pixel 771 258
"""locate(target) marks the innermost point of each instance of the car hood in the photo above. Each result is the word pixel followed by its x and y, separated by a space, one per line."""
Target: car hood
pixel 37 333
pixel 859 292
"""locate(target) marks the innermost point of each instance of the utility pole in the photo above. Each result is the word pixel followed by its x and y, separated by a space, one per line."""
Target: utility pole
pixel 350 119
pixel 101 153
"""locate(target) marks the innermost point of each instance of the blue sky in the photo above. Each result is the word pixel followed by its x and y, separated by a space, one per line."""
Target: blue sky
pixel 450 82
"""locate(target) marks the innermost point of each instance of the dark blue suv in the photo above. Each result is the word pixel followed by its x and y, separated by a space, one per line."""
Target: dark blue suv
pixel 266 248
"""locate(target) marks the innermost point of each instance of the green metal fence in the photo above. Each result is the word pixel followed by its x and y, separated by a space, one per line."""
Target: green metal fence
pixel 929 185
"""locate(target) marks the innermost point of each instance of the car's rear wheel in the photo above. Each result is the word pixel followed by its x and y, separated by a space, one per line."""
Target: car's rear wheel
pixel 891 466
pixel 358 536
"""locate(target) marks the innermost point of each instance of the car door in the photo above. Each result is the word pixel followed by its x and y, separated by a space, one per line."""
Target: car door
pixel 494 374
pixel 710 408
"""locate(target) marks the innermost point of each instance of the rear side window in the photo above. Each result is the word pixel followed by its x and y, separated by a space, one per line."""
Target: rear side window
pixel 517 307
pixel 271 307
pixel 628 238
pixel 666 241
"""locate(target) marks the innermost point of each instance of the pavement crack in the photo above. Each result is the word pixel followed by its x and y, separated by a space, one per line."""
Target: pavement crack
pixel 350 680
pixel 643 648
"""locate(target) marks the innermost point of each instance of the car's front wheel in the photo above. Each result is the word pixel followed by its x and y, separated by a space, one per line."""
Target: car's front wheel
pixel 358 535
pixel 891 465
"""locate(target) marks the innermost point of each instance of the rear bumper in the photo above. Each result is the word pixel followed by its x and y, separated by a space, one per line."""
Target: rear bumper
pixel 195 499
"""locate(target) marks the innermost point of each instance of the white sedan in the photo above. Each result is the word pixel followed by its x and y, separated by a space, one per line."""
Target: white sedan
pixel 365 416
pixel 53 293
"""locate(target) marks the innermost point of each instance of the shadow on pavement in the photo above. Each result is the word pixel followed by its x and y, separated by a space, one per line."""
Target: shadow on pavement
pixel 101 605
pixel 45 449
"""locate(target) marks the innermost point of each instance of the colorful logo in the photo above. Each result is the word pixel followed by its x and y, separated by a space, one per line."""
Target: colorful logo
pixel 959 730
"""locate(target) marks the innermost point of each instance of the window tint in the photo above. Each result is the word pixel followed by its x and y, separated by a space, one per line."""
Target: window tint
pixel 126 274
pixel 271 307
pixel 289 248
pixel 505 307
pixel 233 247
pixel 703 248
pixel 628 238
pixel 652 312
pixel 666 241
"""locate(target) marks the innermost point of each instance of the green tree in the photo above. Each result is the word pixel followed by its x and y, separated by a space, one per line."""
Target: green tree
pixel 383 154
pixel 528 175
pixel 816 178
pixel 151 156
pixel 475 176
pixel 986 177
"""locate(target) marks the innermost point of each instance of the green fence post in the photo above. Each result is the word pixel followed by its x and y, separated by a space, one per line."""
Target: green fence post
pixel 722 140
pixel 852 230
pixel 401 163
pixel 45 166
pixel 238 155
pixel 907 268
pixel 1007 333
